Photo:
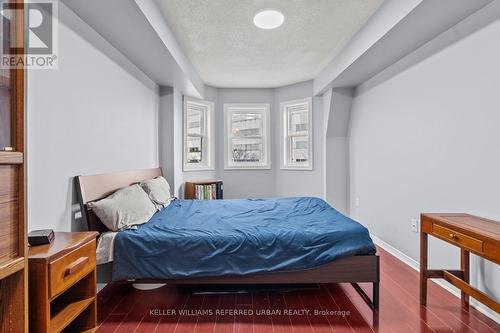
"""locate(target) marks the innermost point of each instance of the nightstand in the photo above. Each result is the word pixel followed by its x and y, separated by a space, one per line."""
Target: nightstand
pixel 62 284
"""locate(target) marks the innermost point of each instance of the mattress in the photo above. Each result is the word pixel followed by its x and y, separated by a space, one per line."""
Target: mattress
pixel 203 238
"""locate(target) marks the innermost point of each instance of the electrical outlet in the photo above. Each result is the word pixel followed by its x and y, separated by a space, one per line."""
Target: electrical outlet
pixel 414 225
pixel 356 202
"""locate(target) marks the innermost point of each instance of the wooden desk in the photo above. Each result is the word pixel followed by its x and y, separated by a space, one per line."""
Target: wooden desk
pixel 471 234
pixel 62 283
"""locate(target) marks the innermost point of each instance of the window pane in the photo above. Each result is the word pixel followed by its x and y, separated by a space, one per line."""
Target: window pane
pixel 194 149
pixel 247 150
pixel 299 121
pixel 195 121
pixel 300 149
pixel 246 124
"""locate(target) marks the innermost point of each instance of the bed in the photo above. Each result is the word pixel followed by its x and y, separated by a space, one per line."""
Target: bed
pixel 272 241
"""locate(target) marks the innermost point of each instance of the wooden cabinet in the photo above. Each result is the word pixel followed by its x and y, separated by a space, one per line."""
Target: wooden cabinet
pixel 62 279
pixel 13 246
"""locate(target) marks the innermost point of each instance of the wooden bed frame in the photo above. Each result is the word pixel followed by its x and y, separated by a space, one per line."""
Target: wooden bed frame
pixel 355 269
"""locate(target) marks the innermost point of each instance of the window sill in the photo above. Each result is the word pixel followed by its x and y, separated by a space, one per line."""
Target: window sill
pixel 198 169
pixel 248 168
pixel 288 168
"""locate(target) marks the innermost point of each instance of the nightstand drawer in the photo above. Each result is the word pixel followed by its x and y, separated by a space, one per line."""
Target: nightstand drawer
pixel 67 270
pixel 458 238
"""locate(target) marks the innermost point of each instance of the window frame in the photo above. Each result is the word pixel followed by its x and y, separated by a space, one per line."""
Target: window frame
pixel 208 148
pixel 286 136
pixel 264 109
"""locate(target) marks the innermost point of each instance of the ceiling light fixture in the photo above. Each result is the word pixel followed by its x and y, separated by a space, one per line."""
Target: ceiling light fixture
pixel 268 19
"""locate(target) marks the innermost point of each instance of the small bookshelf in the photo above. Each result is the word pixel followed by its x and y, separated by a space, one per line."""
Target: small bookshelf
pixel 204 190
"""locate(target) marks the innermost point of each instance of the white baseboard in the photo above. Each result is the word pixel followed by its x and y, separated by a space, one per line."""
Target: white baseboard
pixel 444 284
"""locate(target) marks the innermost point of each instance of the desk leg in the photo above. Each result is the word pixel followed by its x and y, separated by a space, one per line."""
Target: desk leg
pixel 423 268
pixel 464 267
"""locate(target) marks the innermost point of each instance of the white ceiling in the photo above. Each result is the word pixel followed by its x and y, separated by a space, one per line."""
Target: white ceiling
pixel 227 50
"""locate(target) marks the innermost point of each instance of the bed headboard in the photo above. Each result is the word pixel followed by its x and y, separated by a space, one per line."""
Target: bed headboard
pixel 96 187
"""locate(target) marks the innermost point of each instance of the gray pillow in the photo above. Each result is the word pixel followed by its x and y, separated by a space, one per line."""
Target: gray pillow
pixel 125 208
pixel 158 191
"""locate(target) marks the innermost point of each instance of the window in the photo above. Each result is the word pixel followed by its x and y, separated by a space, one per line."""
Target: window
pixel 198 148
pixel 297 134
pixel 246 144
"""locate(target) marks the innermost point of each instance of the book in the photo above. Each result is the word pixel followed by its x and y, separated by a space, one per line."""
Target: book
pixel 208 191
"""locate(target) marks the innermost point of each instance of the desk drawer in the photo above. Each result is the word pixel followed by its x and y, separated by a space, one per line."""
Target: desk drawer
pixel 458 238
pixel 67 270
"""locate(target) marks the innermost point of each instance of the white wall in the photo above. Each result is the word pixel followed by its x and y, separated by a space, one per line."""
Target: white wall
pixel 337 173
pixel 337 149
pixel 166 131
pixel 428 140
pixel 88 116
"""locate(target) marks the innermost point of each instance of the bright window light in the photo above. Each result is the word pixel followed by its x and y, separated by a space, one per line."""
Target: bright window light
pixel 268 19
pixel 247 134
pixel 198 143
pixel 297 134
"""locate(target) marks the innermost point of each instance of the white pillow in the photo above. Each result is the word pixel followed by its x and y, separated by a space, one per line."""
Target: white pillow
pixel 158 191
pixel 125 208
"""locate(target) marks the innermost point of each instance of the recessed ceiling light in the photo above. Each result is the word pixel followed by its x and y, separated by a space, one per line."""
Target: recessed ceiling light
pixel 268 19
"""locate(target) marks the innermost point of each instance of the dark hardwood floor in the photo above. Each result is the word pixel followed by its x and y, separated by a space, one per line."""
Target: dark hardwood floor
pixel 122 308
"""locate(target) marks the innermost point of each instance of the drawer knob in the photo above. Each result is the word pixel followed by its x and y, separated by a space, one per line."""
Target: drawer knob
pixel 453 236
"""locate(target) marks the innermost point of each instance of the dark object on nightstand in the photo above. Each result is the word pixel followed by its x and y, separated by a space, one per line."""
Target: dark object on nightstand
pixel 39 237
pixel 62 284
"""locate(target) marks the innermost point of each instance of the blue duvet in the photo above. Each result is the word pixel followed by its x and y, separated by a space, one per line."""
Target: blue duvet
pixel 236 237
